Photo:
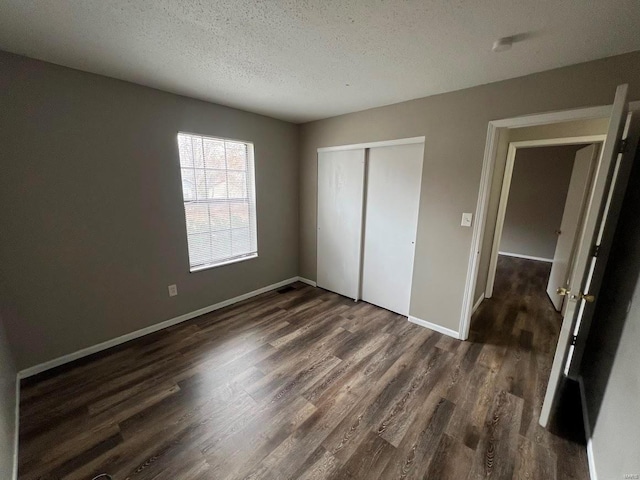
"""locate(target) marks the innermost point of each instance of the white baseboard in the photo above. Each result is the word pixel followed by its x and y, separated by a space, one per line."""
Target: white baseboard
pixel 17 430
pixel 28 372
pixel 477 304
pixel 307 281
pixel 592 465
pixel 526 257
pixel 433 326
pixel 587 430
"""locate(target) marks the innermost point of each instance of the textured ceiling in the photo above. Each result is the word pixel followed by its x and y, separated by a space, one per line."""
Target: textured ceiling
pixel 302 60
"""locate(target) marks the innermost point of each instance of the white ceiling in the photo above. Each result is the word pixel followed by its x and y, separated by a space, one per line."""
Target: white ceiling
pixel 301 60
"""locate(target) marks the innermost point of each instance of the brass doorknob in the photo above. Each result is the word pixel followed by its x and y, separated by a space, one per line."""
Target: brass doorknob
pixel 588 298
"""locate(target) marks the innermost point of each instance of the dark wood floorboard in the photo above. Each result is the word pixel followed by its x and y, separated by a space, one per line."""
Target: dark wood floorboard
pixel 305 384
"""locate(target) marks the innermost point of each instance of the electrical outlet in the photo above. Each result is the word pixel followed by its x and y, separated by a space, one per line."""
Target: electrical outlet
pixel 173 290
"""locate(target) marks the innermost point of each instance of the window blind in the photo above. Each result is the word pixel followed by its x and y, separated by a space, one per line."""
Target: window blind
pixel 218 187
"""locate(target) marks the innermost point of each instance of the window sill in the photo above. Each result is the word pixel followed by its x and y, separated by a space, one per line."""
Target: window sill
pixel 222 264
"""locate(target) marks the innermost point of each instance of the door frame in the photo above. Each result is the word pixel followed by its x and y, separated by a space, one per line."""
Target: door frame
pixel 494 129
pixel 383 143
pixel 506 188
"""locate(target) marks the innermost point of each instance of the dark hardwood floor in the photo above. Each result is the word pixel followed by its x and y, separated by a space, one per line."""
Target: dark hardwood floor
pixel 305 384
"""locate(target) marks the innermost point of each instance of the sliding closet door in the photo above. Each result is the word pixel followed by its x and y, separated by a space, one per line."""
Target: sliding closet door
pixel 394 176
pixel 340 192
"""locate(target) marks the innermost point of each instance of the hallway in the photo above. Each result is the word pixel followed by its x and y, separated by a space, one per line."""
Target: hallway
pixel 520 327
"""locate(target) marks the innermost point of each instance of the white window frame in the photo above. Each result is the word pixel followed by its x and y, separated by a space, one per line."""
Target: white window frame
pixel 250 198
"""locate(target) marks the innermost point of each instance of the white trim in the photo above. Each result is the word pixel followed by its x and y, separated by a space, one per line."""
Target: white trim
pixel 553 142
pixel 527 257
pixel 434 327
pixel 477 304
pixel 593 475
pixel 28 372
pixel 488 163
pixel 363 217
pixel 502 213
pixel 17 430
pixel 307 281
pixel 384 143
pixel 490 152
pixel 586 113
pixel 587 430
pixel 215 137
pixel 209 266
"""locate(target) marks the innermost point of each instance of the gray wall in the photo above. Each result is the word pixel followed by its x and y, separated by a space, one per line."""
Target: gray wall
pixel 7 407
pixel 537 195
pixel 455 127
pixel 612 358
pixel 92 222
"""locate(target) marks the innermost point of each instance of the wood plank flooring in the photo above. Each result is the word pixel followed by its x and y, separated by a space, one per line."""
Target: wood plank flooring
pixel 305 384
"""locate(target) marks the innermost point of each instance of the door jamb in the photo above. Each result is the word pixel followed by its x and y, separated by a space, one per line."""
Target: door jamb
pixel 383 143
pixel 506 186
pixel 488 165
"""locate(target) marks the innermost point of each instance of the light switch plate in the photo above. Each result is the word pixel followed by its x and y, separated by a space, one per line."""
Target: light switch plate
pixel 173 290
pixel 467 219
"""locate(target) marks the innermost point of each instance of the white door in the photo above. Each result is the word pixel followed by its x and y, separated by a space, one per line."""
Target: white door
pixel 604 240
pixel 573 209
pixel 580 286
pixel 394 176
pixel 340 191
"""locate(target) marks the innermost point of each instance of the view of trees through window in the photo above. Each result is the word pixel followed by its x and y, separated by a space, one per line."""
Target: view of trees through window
pixel 219 199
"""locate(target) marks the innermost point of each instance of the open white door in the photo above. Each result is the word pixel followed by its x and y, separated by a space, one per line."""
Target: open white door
pixel 577 194
pixel 620 179
pixel 580 286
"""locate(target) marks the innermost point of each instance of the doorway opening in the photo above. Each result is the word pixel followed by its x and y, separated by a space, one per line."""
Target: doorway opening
pixel 539 204
pixel 586 270
pixel 542 203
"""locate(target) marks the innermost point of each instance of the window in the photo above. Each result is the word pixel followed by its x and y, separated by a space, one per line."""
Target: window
pixel 218 188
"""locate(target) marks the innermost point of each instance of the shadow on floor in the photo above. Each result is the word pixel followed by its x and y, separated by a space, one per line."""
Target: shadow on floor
pixel 567 422
pixel 520 302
